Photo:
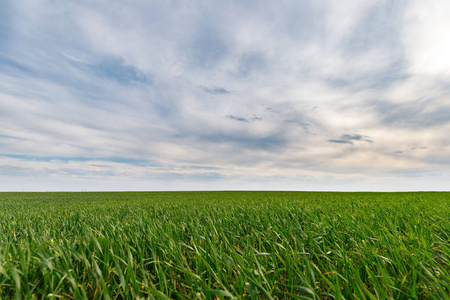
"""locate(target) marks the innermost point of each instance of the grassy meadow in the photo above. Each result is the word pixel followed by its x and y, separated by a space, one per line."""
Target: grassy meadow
pixel 224 245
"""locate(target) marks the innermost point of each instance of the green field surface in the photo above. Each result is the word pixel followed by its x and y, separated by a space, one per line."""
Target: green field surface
pixel 223 245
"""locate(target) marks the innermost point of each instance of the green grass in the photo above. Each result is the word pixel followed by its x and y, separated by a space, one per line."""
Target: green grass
pixel 217 245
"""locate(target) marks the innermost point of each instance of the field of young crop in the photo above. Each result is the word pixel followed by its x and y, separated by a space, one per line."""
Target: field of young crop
pixel 221 245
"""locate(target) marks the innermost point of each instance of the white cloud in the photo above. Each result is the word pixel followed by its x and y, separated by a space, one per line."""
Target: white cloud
pixel 259 92
pixel 425 34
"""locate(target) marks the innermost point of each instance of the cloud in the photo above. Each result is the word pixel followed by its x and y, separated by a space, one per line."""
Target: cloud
pixel 216 90
pixel 350 139
pixel 341 141
pixel 237 118
pixel 419 113
pixel 423 34
pixel 259 92
pixel 297 123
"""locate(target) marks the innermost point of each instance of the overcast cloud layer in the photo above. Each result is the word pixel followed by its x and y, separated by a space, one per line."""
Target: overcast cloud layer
pixel 177 95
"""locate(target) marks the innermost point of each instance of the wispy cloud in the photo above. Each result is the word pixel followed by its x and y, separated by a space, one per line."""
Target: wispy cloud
pixel 216 90
pixel 231 94
pixel 350 139
pixel 237 118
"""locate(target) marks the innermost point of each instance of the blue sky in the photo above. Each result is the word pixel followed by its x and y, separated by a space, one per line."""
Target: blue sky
pixel 205 95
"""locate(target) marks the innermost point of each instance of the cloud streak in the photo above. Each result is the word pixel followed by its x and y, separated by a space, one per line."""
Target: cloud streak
pixel 350 139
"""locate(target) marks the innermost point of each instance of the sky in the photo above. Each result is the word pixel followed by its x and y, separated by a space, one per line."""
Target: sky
pixel 224 95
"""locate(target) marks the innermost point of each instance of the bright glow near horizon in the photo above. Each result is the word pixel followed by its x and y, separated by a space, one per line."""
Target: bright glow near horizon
pixel 200 95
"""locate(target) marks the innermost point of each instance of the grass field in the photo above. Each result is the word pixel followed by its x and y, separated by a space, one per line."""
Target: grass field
pixel 245 245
